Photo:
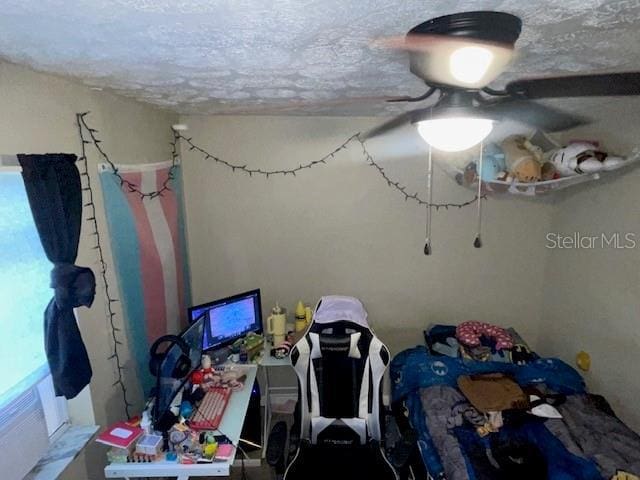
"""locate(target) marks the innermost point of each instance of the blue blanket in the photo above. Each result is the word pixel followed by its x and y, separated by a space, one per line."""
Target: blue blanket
pixel 416 368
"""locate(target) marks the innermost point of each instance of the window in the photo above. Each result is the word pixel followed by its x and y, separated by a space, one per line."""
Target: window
pixel 24 295
pixel 24 288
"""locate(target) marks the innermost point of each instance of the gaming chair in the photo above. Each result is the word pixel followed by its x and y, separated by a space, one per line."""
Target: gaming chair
pixel 338 426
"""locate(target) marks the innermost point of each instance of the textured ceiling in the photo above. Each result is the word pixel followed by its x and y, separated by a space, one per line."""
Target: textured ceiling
pixel 285 56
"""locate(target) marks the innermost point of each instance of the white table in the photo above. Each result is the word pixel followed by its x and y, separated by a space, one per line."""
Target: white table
pixel 231 426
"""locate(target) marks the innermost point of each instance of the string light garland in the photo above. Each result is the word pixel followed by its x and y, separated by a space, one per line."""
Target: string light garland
pixel 257 171
pixel 177 137
pixel 132 187
pixel 403 189
pixel 110 299
pixel 129 186
pixel 331 155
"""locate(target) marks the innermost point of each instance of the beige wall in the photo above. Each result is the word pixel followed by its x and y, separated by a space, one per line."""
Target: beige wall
pixel 38 116
pixel 592 297
pixel 339 229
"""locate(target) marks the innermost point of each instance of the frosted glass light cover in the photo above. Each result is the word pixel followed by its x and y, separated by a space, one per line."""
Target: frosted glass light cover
pixel 454 134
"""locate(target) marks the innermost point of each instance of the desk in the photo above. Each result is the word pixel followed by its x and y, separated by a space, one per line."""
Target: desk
pixel 231 426
pixel 267 362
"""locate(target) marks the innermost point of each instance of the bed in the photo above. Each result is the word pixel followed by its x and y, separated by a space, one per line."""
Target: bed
pixel 588 442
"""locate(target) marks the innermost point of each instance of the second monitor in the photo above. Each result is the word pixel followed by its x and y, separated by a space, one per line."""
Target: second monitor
pixel 229 318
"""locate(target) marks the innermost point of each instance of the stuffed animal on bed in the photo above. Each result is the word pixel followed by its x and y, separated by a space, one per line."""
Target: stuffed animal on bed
pixel 582 157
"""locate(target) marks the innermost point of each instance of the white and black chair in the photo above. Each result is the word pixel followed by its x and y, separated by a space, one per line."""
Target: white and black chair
pixel 339 420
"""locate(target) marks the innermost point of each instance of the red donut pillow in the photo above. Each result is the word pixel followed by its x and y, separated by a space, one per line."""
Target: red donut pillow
pixel 469 333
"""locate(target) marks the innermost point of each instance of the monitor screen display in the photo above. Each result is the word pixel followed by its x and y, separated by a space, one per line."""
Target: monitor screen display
pixel 228 319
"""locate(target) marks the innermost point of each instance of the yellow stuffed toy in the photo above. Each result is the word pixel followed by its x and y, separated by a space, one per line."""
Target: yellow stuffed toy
pixel 523 159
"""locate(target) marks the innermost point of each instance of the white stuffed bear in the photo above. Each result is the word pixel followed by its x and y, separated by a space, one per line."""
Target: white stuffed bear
pixel 582 157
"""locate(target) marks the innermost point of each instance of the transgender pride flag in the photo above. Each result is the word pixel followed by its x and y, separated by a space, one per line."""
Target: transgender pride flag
pixel 149 253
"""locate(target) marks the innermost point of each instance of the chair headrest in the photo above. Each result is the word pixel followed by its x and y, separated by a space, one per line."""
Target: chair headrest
pixel 334 308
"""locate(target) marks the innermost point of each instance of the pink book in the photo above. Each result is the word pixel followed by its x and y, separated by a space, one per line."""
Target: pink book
pixel 225 451
pixel 120 435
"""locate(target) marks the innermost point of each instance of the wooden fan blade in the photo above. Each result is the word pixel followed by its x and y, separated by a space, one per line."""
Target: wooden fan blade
pixel 593 85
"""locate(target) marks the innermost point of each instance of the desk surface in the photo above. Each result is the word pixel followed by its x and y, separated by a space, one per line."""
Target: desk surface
pixel 231 426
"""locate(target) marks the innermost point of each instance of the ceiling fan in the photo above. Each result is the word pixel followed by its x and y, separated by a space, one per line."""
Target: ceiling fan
pixel 458 56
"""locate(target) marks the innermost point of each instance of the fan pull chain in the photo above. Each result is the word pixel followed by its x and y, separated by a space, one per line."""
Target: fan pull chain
pixel 478 241
pixel 427 241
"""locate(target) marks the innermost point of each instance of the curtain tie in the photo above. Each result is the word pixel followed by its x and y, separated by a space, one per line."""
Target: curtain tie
pixel 74 286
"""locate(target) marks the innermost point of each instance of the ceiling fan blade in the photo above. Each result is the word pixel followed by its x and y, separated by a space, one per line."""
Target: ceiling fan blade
pixel 595 85
pixel 532 113
pixel 396 122
pixel 297 105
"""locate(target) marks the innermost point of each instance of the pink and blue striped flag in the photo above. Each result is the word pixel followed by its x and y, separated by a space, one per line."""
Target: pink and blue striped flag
pixel 149 253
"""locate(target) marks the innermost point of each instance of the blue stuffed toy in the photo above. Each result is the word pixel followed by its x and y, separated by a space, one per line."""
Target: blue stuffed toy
pixel 493 163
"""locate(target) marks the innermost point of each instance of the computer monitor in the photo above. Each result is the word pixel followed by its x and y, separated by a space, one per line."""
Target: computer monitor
pixel 228 319
pixel 168 387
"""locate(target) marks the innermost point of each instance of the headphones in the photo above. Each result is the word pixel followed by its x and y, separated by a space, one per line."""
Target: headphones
pixel 183 363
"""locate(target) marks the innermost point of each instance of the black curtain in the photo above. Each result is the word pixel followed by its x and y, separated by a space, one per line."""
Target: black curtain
pixel 54 190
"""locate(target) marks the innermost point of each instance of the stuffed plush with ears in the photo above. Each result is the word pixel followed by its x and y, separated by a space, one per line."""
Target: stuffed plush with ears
pixel 515 159
pixel 522 158
pixel 582 157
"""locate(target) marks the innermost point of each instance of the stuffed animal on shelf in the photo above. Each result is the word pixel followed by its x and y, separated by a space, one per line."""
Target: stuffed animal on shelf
pixel 582 157
pixel 549 171
pixel 523 159
pixel 468 175
pixel 493 164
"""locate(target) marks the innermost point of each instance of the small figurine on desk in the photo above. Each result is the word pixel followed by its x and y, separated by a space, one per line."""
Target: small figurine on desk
pixel 208 373
pixel 205 373
pixel 210 445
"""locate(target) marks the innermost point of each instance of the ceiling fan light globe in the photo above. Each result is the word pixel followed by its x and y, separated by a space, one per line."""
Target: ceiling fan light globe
pixel 454 134
pixel 466 49
pixel 458 62
pixel 470 64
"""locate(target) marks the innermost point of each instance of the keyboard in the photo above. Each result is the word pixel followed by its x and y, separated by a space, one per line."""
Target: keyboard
pixel 209 413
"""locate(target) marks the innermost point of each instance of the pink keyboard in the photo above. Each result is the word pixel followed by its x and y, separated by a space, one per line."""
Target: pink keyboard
pixel 209 413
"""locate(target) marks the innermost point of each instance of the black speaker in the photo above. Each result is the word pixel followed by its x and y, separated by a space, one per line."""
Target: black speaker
pixel 252 427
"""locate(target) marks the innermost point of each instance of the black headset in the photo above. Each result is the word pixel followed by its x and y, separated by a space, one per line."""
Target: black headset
pixel 183 363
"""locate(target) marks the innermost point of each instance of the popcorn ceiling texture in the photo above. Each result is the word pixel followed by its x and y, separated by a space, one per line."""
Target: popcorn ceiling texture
pixel 289 56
